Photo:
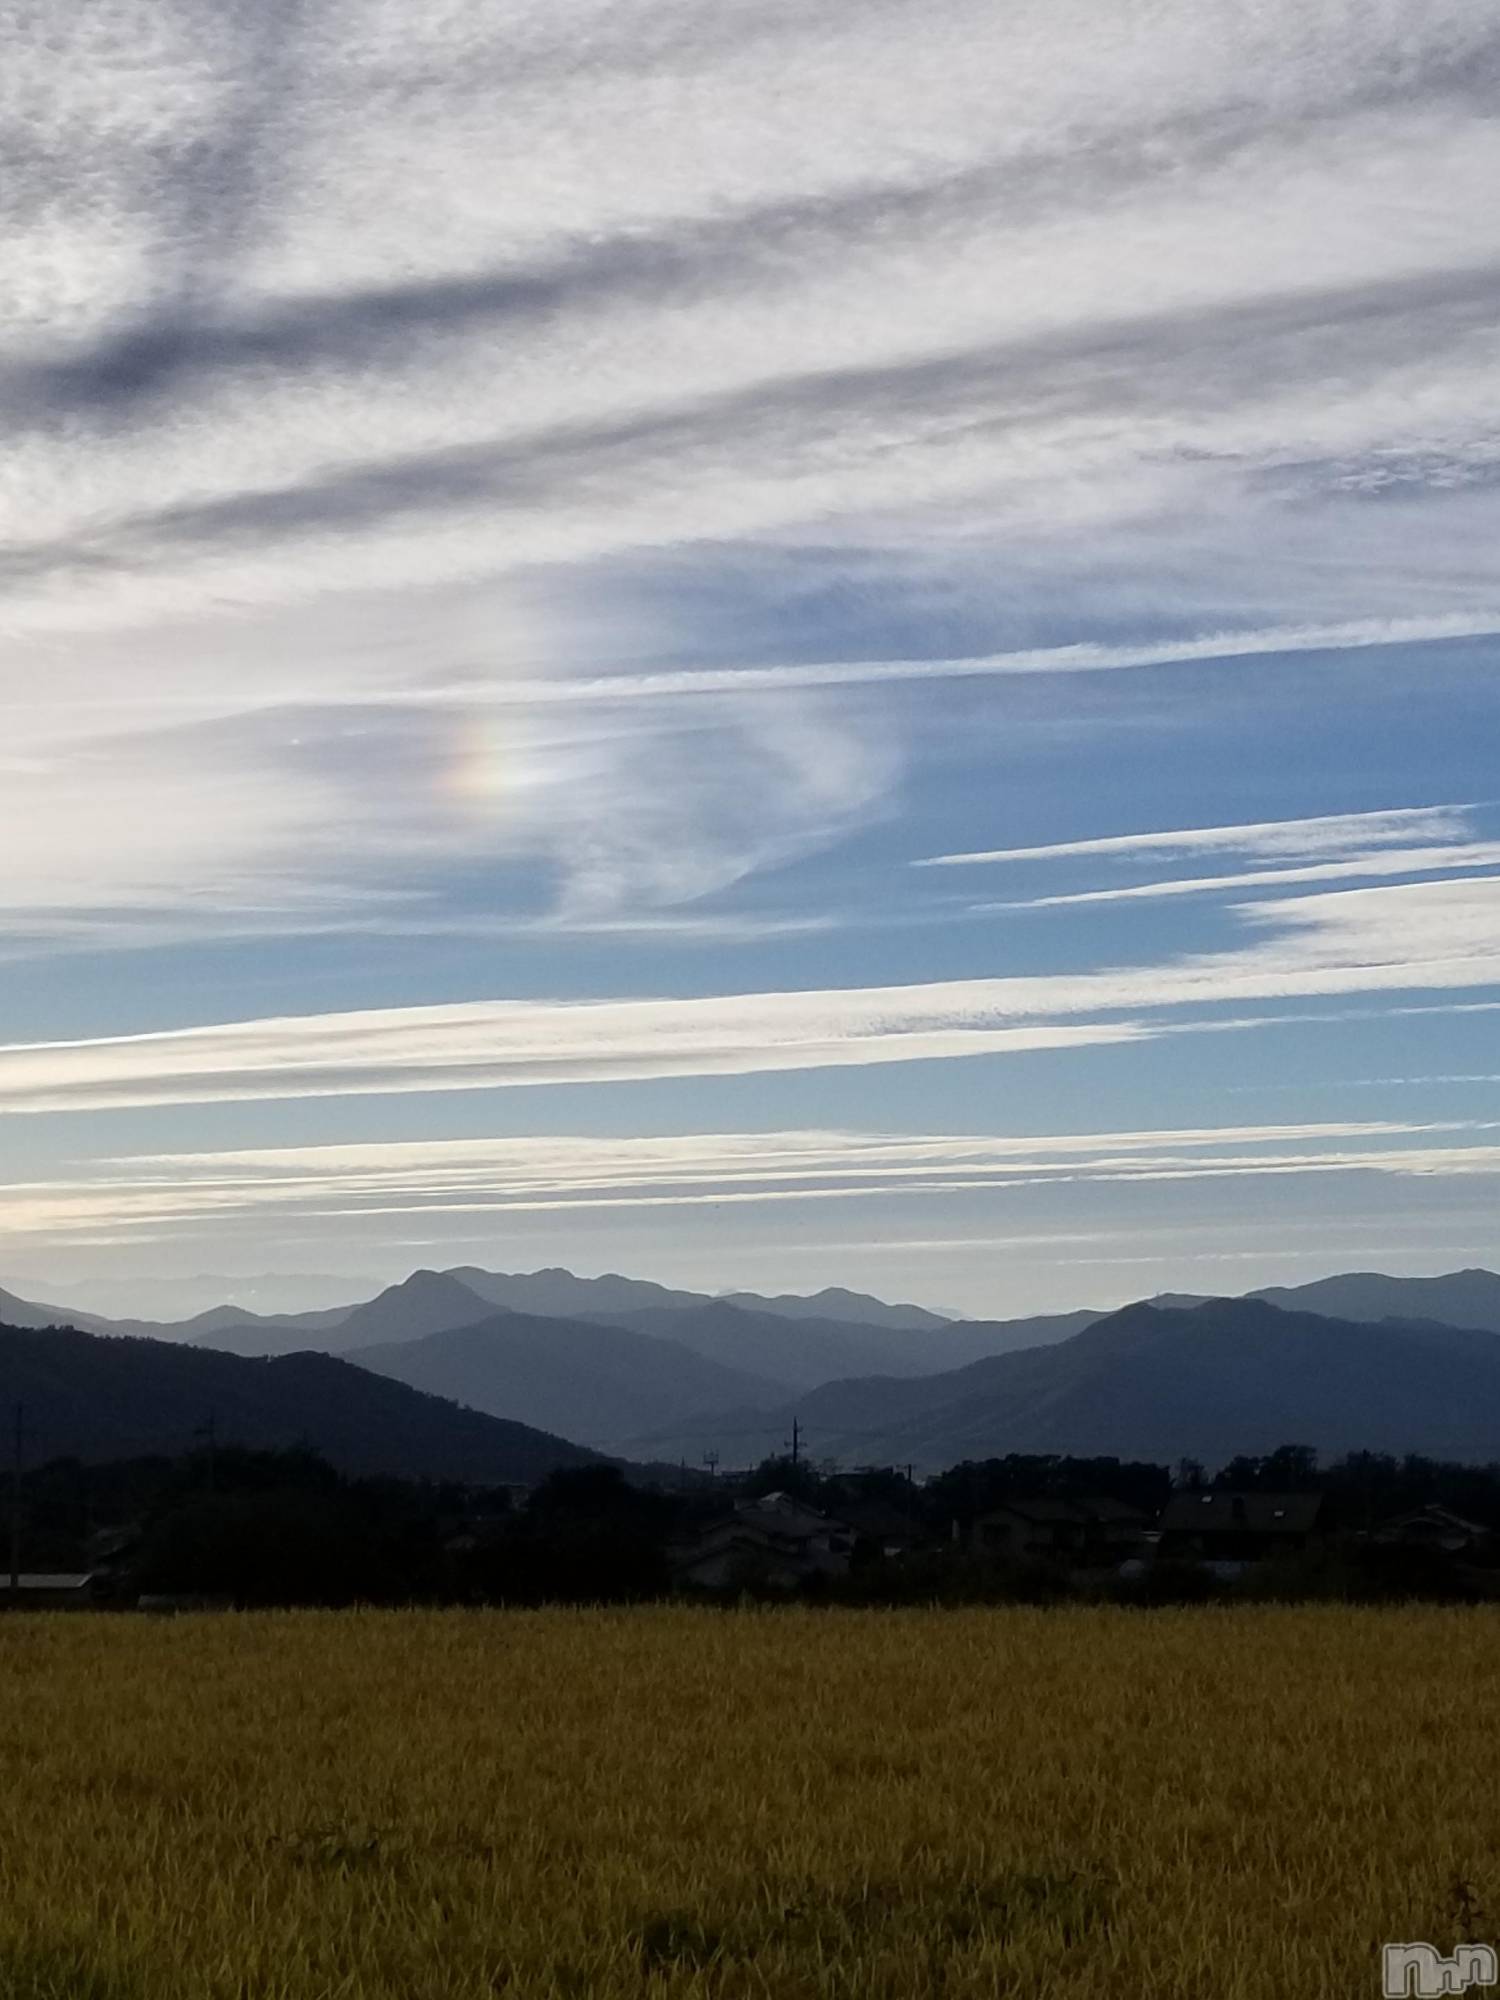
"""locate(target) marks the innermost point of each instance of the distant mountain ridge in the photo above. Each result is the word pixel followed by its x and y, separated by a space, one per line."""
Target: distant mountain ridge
pixel 603 1378
pixel 552 1294
pixel 594 1380
pixel 559 1294
pixel 30 1313
pixel 835 1303
pixel 687 1372
pixel 1161 1383
pixel 1468 1298
pixel 426 1302
pixel 807 1352
pixel 1459 1298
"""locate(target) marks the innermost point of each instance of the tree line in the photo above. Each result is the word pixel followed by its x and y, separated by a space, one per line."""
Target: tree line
pixel 287 1528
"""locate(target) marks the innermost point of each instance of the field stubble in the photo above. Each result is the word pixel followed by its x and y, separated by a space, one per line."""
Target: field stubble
pixel 1237 1804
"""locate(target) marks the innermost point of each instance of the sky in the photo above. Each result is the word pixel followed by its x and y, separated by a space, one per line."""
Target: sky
pixel 762 644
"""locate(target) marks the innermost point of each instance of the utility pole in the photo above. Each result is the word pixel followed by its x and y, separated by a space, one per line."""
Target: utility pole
pixel 711 1460
pixel 796 1444
pixel 18 1445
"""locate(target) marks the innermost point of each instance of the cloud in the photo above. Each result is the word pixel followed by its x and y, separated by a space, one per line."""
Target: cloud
pixel 1440 936
pixel 440 1178
pixel 626 795
pixel 1395 861
pixel 288 822
pixel 1187 326
pixel 1083 658
pixel 496 474
pixel 1299 839
pixel 1226 379
pixel 1408 840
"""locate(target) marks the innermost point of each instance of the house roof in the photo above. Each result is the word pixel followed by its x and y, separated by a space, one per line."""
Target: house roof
pixel 1103 1508
pixel 1044 1510
pixel 1221 1510
pixel 785 1514
pixel 879 1520
pixel 754 1541
pixel 739 1533
pixel 1041 1513
pixel 51 1580
pixel 771 1520
pixel 1432 1516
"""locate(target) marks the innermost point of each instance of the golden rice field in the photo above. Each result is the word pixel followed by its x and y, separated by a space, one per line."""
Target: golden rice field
pixel 1217 1804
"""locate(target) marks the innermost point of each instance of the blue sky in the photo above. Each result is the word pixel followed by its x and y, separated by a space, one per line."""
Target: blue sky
pixel 762 645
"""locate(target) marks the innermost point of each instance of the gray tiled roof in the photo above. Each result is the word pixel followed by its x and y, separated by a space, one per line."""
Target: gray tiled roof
pixel 1218 1510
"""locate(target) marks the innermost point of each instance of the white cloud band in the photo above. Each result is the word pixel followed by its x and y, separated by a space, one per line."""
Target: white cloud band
pixel 1439 936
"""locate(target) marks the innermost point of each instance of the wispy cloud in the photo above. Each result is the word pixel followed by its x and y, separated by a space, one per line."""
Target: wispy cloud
pixel 1083 658
pixel 444 499
pixel 1193 331
pixel 1392 862
pixel 546 1175
pixel 1327 833
pixel 1435 936
pixel 1341 847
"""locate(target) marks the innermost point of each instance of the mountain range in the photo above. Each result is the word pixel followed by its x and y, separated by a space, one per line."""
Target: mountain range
pixel 1401 1362
pixel 599 1359
pixel 1154 1382
pixel 607 1379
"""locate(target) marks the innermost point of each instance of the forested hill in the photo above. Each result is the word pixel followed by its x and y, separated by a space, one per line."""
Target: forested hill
pixel 93 1397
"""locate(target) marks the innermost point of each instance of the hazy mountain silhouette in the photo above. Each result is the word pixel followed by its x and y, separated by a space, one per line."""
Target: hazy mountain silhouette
pixel 594 1381
pixel 27 1312
pixel 611 1370
pixel 1162 1383
pixel 92 1397
pixel 558 1294
pixel 415 1304
pixel 686 1372
pixel 800 1352
pixel 807 1351
pixel 219 1317
pixel 426 1302
pixel 1461 1298
pixel 782 1344
pixel 834 1303
pixel 603 1378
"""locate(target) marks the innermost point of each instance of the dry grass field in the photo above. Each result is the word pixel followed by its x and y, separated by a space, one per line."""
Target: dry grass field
pixel 1213 1805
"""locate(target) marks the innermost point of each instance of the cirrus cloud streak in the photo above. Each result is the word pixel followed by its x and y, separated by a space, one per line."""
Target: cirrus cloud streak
pixel 1441 935
pixel 549 1174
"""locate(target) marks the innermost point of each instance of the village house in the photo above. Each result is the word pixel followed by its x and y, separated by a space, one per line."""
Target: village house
pixel 774 1541
pixel 51 1590
pixel 1075 1533
pixel 1216 1525
pixel 1434 1527
pixel 881 1529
